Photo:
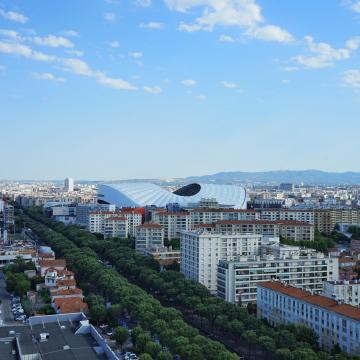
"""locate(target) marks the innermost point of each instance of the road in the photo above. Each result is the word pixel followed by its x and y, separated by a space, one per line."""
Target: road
pixel 6 316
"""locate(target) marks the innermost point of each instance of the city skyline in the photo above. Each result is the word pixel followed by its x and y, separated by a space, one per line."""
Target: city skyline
pixel 117 90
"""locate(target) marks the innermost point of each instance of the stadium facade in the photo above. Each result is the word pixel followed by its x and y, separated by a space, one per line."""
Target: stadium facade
pixel 138 194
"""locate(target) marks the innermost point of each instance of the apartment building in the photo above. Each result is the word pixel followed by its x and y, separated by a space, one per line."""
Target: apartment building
pixel 288 214
pixel 149 236
pixel 114 226
pixel 333 322
pixel 238 279
pixel 173 223
pixel 201 252
pixel 83 211
pixel 211 215
pixel 289 229
pixel 96 220
pixel 347 292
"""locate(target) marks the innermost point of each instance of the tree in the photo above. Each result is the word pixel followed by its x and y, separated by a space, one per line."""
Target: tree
pixel 152 348
pixel 120 335
pixel 145 356
pixel 97 313
pixel 163 355
pixel 304 353
pixel 283 354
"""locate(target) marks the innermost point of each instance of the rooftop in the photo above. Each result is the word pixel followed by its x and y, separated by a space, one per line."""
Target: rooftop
pixel 56 339
pixel 317 300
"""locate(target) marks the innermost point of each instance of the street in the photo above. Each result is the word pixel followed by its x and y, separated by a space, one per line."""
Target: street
pixel 6 316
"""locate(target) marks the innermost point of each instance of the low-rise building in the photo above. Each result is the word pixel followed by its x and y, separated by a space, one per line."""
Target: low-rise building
pixel 164 255
pixel 53 337
pixel 149 236
pixel 238 279
pixel 347 292
pixel 333 323
pixel 58 264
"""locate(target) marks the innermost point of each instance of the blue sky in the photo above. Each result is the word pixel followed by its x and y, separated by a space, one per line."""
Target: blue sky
pixel 115 89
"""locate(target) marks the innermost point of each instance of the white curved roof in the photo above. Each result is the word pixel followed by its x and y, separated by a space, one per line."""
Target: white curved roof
pixel 137 194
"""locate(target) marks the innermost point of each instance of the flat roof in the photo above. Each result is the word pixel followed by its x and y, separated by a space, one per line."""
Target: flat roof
pixel 318 300
pixel 60 334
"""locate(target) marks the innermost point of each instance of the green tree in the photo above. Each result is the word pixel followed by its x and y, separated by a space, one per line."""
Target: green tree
pixel 120 335
pixel 145 356
pixel 283 354
pixel 97 313
pixel 163 355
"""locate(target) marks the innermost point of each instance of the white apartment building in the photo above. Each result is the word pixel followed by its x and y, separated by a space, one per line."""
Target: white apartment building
pixel 288 214
pixel 173 223
pixel 210 216
pixel 334 323
pixel 96 220
pixel 114 226
pixel 149 236
pixel 289 229
pixel 238 279
pixel 344 291
pixel 69 184
pixel 83 211
pixel 201 252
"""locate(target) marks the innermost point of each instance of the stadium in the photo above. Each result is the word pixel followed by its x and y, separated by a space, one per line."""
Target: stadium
pixel 137 194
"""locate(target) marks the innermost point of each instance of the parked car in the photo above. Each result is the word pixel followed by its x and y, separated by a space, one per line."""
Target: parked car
pixel 20 318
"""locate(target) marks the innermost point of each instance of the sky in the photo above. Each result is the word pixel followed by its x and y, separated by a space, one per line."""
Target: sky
pixel 117 89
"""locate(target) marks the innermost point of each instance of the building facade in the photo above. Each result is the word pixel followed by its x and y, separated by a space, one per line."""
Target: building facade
pixel 149 236
pixel 347 292
pixel 201 252
pixel 238 280
pixel 334 323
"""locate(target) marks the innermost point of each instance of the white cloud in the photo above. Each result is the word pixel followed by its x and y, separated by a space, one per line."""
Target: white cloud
pixel 70 33
pixel 188 82
pixel 80 67
pixel 136 54
pixel 189 27
pixel 324 54
pixel 109 16
pixel 75 52
pixel 144 3
pixel 114 44
pixel 114 82
pixel 53 41
pixel 200 97
pixel 153 90
pixel 286 81
pixel 226 38
pixel 270 33
pixel 48 76
pixel 229 85
pixel 12 34
pixel 24 51
pixel 291 68
pixel 352 78
pixel 244 14
pixel 356 7
pixel 2 67
pixel 13 16
pixel 153 25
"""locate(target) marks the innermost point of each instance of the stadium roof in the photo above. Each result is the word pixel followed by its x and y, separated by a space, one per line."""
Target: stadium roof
pixel 136 194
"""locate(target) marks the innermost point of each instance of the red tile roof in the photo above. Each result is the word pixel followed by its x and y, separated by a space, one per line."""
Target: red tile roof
pixel 70 305
pixel 318 300
pixel 53 263
pixel 75 291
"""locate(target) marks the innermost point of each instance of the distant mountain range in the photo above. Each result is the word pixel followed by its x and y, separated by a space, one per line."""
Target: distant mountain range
pixel 308 177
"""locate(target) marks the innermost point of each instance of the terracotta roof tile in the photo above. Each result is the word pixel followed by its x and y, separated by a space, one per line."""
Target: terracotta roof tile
pixel 318 300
